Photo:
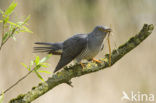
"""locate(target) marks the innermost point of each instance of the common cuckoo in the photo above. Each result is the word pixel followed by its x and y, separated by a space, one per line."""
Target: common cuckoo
pixel 78 47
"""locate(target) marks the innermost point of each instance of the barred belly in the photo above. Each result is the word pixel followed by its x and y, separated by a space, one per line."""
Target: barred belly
pixel 87 54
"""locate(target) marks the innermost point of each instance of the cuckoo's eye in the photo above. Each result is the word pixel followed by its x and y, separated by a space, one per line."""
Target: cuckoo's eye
pixel 102 29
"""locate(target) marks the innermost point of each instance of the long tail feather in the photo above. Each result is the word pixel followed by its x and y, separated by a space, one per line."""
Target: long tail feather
pixel 54 48
pixel 43 43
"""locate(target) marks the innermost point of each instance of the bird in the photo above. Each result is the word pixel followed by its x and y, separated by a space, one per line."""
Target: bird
pixel 78 47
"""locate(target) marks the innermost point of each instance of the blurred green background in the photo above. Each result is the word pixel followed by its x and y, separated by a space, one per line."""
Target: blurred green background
pixel 56 20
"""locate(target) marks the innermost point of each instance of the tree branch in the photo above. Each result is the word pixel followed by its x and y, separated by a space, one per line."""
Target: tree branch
pixel 76 70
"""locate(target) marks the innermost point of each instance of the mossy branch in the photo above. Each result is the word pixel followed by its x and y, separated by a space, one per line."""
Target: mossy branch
pixel 76 70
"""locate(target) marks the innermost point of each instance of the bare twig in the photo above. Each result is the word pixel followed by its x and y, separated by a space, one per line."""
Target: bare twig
pixel 2 35
pixel 5 91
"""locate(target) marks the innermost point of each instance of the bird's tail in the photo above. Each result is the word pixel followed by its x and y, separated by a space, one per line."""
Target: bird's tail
pixel 50 48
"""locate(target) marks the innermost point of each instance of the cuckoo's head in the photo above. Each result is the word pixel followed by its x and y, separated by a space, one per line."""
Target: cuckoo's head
pixel 102 30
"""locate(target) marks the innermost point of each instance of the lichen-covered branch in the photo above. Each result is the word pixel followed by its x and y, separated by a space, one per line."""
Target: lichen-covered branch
pixel 76 70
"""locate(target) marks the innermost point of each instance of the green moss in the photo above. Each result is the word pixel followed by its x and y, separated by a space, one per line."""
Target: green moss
pixel 131 45
pixel 33 88
pixel 151 27
pixel 18 99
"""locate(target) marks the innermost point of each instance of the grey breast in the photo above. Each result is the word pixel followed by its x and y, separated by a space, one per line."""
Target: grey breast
pixel 94 44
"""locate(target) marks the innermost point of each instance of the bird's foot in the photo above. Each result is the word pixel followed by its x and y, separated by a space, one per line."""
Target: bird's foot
pixel 97 61
pixel 83 66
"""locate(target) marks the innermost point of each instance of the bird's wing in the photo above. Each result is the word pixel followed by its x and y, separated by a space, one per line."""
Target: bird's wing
pixel 72 47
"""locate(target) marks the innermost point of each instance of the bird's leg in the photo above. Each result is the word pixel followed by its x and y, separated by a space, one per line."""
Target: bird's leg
pixel 82 65
pixel 95 60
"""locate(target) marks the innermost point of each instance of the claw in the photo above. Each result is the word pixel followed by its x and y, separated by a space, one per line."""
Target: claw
pixel 95 60
pixel 83 66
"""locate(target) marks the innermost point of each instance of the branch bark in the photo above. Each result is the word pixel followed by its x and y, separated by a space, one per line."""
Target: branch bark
pixel 76 70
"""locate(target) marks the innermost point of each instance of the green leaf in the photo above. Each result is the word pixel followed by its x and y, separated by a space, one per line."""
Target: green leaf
pixel 38 75
pixel 6 35
pixel 11 8
pixel 1 98
pixel 44 65
pixel 37 60
pixel 12 23
pixel 26 20
pixel 21 27
pixel 6 19
pixel 1 21
pixel 42 71
pixel 10 28
pixel 17 31
pixel 45 58
pixel 31 64
pixel 26 29
pixel 24 65
pixel 38 67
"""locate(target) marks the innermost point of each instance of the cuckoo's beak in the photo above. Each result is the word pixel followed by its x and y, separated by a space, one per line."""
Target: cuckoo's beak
pixel 108 30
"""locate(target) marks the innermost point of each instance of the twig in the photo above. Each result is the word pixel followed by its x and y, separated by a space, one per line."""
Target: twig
pixel 3 42
pixel 5 91
pixel 2 35
pixel 3 29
